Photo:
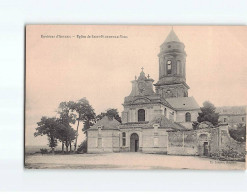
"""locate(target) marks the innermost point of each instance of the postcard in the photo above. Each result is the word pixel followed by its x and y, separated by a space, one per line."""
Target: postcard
pixel 135 97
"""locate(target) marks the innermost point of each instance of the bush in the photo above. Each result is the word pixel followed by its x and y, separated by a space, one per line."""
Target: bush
pixel 215 155
pixel 228 154
pixel 43 151
pixel 239 134
pixel 82 148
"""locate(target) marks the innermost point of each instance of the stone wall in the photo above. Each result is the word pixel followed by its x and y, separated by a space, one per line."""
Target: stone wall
pixel 103 141
pixel 203 142
pixel 227 141
pixel 154 141
pixel 182 143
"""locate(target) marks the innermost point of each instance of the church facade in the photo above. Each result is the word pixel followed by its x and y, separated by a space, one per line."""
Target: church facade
pixel 152 109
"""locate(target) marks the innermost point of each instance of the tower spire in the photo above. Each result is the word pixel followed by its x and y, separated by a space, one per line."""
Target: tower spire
pixel 172 37
pixel 172 59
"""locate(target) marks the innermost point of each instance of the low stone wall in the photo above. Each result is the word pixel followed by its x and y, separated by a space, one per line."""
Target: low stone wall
pixel 230 148
pixel 205 142
pixel 155 150
pixel 191 151
pixel 182 143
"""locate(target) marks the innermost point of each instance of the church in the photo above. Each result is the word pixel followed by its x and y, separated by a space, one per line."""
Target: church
pixel 152 109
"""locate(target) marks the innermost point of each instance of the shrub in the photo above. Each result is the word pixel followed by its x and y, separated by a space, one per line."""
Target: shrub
pixel 215 155
pixel 239 134
pixel 228 154
pixel 82 148
pixel 43 151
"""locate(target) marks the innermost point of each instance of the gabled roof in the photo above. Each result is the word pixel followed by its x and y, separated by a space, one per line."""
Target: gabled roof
pixel 164 122
pixel 172 37
pixel 106 123
pixel 183 103
pixel 231 110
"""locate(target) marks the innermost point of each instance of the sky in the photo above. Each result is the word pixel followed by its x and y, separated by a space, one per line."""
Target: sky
pixel 101 69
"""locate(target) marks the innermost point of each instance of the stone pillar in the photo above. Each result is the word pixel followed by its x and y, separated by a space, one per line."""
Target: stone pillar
pixel 99 144
pixel 156 135
pixel 183 140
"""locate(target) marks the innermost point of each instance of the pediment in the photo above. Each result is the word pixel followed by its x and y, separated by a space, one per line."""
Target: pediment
pixel 141 100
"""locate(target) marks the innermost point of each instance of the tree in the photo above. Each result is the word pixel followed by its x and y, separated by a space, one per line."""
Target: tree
pixel 65 133
pixel 56 129
pixel 111 113
pixel 48 126
pixel 239 134
pixel 85 114
pixel 208 113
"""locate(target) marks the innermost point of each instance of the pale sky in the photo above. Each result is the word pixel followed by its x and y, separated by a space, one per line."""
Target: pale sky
pixel 101 69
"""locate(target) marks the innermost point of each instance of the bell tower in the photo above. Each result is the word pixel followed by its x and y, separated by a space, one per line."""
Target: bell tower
pixel 172 68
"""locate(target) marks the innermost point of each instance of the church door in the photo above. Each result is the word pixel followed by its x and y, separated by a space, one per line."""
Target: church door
pixel 205 148
pixel 134 142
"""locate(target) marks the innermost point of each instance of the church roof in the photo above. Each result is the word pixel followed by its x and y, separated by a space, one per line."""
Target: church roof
pixel 164 122
pixel 149 99
pixel 172 37
pixel 183 103
pixel 106 123
pixel 161 120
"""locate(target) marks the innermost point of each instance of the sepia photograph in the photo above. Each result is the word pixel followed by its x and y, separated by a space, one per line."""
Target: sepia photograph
pixel 135 97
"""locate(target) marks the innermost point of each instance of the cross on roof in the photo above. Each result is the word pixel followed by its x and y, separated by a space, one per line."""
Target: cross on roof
pixel 142 69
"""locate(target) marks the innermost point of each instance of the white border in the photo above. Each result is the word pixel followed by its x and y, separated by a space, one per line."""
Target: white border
pixel 13 17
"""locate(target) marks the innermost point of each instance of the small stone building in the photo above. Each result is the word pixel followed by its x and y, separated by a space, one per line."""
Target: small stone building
pixel 232 115
pixel 104 136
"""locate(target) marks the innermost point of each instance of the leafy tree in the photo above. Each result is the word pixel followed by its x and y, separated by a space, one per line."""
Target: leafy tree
pixel 60 129
pixel 65 133
pixel 48 126
pixel 56 129
pixel 239 134
pixel 208 113
pixel 85 114
pixel 64 111
pixel 111 113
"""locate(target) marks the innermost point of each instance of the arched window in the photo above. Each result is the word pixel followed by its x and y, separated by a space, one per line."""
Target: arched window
pixel 124 138
pixel 178 67
pixel 187 117
pixel 141 115
pixel 169 66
